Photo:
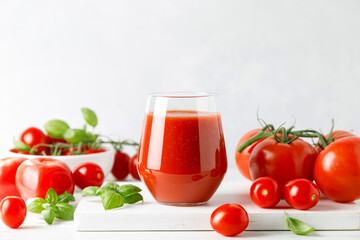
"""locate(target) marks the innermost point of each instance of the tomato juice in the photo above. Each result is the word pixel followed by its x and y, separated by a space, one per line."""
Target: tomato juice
pixel 182 157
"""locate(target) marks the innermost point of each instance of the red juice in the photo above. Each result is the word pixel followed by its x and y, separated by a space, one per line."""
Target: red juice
pixel 182 157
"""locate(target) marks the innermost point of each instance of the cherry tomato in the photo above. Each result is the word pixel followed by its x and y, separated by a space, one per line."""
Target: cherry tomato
pixel 133 167
pixel 88 174
pixel 265 192
pixel 301 193
pixel 281 161
pixel 242 159
pixel 34 136
pixel 35 176
pixel 120 169
pixel 91 151
pixel 8 168
pixel 337 170
pixel 229 219
pixel 13 211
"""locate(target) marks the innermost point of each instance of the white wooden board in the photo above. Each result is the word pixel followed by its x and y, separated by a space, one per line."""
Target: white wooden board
pixel 151 216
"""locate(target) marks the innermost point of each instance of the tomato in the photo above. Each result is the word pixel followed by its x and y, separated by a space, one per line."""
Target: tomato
pixel 229 219
pixel 265 192
pixel 337 170
pixel 88 174
pixel 281 161
pixel 120 169
pixel 91 151
pixel 133 167
pixel 242 159
pixel 35 176
pixel 301 193
pixel 13 211
pixel 14 150
pixel 339 134
pixel 8 168
pixel 33 136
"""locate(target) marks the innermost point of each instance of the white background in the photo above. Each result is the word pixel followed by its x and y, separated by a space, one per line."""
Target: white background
pixel 290 58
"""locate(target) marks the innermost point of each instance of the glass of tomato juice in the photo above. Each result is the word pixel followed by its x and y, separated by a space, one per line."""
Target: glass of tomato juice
pixel 182 155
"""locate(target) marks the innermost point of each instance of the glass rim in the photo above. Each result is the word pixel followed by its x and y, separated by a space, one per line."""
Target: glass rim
pixel 182 94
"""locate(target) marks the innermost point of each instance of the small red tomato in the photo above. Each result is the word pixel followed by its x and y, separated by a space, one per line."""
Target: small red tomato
pixel 88 174
pixel 229 219
pixel 32 136
pixel 51 140
pixel 301 193
pixel 120 169
pixel 133 167
pixel 265 192
pixel 91 151
pixel 35 176
pixel 13 211
pixel 8 168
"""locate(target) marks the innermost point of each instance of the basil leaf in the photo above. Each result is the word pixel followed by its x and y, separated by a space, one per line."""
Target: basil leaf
pixel 111 200
pixel 90 191
pixel 297 226
pixel 64 211
pixel 134 198
pixel 51 196
pixel 66 197
pixel 128 189
pixel 90 116
pixel 78 135
pixel 48 216
pixel 56 128
pixel 21 146
pixel 107 187
pixel 34 205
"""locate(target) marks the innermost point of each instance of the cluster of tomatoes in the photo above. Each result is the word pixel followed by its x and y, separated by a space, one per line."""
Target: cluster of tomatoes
pixel 283 165
pixel 34 136
pixel 335 166
pixel 21 179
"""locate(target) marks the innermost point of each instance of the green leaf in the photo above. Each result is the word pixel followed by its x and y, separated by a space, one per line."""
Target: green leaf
pixel 48 216
pixel 66 197
pixel 79 135
pixel 134 198
pixel 56 128
pixel 90 116
pixel 107 187
pixel 297 226
pixel 64 211
pixel 21 146
pixel 90 191
pixel 128 189
pixel 34 205
pixel 51 196
pixel 111 200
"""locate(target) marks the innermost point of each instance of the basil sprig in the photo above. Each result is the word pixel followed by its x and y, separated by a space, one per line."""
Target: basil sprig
pixel 113 195
pixel 297 226
pixel 53 206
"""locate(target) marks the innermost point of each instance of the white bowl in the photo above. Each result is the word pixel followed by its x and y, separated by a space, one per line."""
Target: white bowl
pixel 104 159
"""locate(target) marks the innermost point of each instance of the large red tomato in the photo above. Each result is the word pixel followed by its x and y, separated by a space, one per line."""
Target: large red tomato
pixel 8 167
pixel 242 159
pixel 282 161
pixel 337 170
pixel 35 176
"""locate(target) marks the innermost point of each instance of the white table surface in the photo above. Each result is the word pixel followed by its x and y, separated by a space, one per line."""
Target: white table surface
pixel 36 228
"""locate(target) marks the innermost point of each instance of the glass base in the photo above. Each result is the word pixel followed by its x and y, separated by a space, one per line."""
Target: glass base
pixel 182 204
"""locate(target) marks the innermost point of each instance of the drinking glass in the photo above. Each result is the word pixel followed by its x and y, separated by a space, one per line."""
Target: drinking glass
pixel 182 155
